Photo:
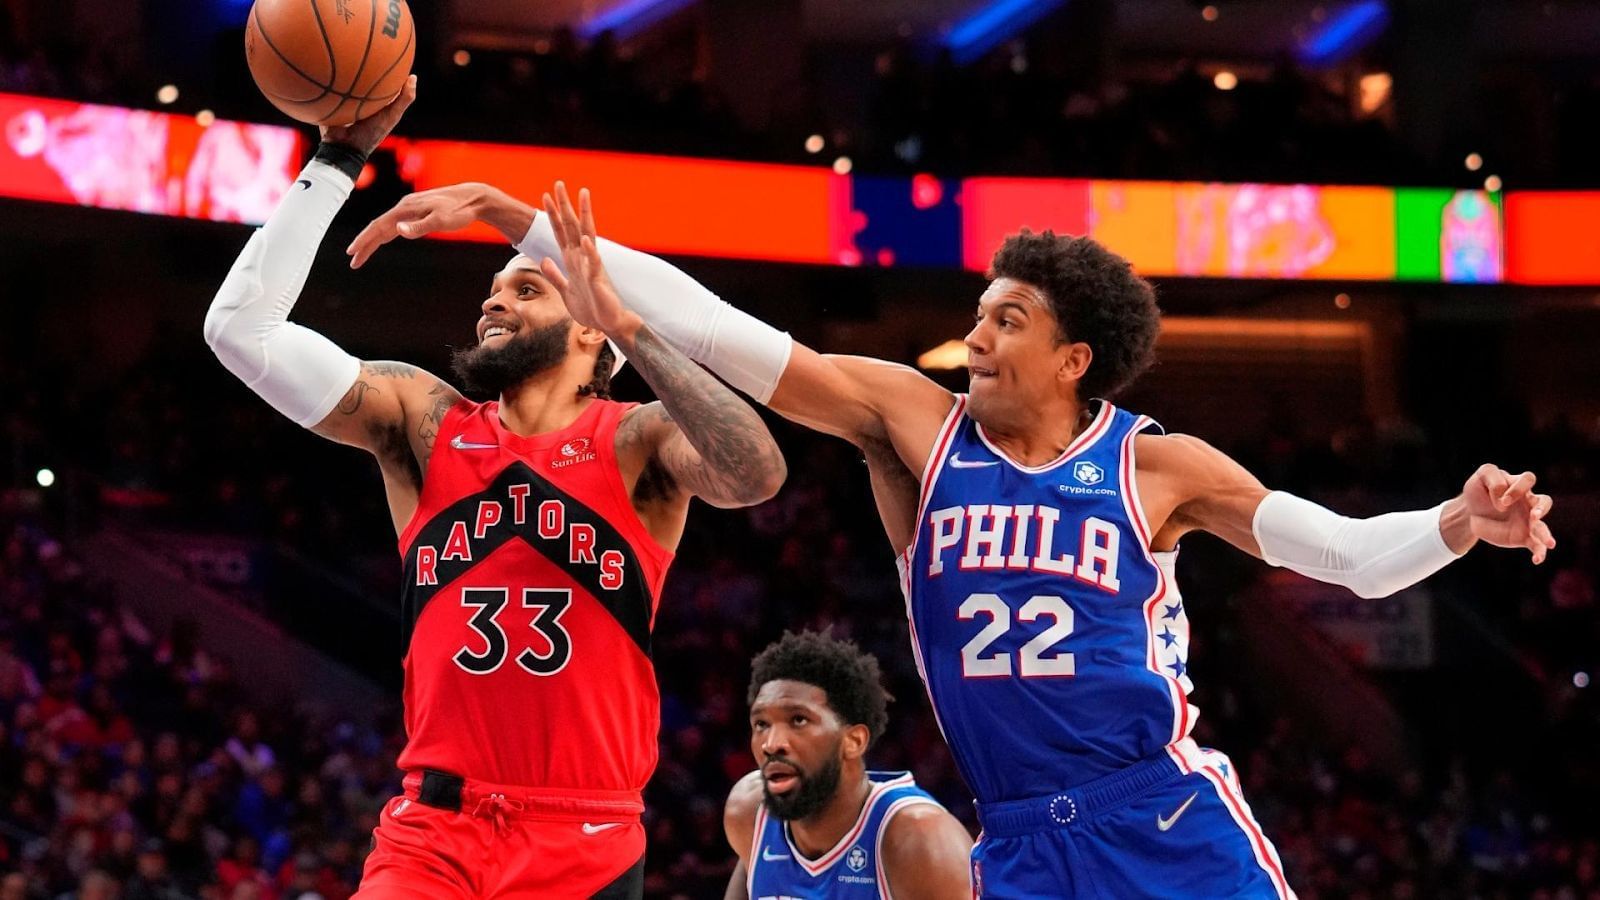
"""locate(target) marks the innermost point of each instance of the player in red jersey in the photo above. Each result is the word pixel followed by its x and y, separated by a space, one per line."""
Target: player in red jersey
pixel 535 531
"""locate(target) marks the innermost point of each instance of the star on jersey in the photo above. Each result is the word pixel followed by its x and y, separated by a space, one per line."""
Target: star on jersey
pixel 1177 667
pixel 1169 643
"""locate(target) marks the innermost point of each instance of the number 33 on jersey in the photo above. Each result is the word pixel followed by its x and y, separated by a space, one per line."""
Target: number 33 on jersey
pixel 530 591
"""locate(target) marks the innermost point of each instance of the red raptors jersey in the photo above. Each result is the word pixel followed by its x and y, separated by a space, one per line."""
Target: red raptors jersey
pixel 530 591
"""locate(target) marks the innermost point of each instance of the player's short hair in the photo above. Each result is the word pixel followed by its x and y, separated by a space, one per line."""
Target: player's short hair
pixel 1096 298
pixel 848 675
pixel 600 385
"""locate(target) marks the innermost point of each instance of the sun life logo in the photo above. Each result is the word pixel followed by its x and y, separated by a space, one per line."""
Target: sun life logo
pixel 577 450
pixel 1088 473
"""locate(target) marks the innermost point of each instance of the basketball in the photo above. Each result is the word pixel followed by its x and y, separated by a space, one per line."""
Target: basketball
pixel 330 62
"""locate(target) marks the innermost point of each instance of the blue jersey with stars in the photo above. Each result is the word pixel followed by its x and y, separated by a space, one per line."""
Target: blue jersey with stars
pixel 851 869
pixel 1051 637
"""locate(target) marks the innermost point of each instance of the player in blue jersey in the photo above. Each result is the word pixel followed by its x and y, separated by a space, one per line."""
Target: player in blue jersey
pixel 1037 527
pixel 812 822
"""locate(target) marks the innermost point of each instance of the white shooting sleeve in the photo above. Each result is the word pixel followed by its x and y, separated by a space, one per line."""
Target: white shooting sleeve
pixel 1372 557
pixel 745 351
pixel 299 372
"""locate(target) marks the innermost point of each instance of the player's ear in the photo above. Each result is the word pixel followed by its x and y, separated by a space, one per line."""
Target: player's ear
pixel 589 337
pixel 1074 361
pixel 856 739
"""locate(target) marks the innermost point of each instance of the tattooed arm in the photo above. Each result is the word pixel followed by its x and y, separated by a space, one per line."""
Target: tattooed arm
pixel 703 439
pixel 393 410
pixel 706 442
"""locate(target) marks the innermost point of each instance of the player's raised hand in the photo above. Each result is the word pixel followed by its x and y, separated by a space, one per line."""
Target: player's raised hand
pixel 591 299
pixel 442 209
pixel 1506 512
pixel 366 134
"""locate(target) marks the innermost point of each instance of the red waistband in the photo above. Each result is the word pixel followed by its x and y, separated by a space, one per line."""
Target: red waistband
pixel 475 797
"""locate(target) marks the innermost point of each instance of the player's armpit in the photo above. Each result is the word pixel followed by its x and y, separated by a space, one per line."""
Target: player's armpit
pixel 393 410
pixel 927 853
pixel 861 399
pixel 1185 484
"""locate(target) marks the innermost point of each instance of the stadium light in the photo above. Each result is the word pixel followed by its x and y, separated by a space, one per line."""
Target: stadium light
pixel 1345 32
pixel 951 354
pixel 629 17
pixel 994 23
pixel 45 478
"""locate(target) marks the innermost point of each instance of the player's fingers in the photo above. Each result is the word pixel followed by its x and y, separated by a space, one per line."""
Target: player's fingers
pixel 1494 480
pixel 1539 533
pixel 554 274
pixel 569 213
pixel 554 215
pixel 1539 505
pixel 586 213
pixel 415 228
pixel 402 102
pixel 1518 488
pixel 378 232
pixel 591 255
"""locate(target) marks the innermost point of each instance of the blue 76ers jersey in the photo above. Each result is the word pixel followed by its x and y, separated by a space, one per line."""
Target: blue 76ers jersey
pixel 850 869
pixel 1051 638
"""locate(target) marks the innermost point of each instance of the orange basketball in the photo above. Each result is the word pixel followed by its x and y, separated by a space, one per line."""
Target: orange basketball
pixel 330 62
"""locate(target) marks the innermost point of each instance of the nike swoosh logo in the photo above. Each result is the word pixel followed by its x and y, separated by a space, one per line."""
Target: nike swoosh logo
pixel 957 462
pixel 596 829
pixel 459 444
pixel 1162 824
pixel 768 856
pixel 305 182
pixel 400 807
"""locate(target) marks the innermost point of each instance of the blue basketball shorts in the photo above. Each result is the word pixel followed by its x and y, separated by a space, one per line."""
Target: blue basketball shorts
pixel 1174 825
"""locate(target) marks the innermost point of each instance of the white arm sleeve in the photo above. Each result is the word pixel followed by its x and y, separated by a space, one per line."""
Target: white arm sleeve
pixel 1372 557
pixel 299 372
pixel 745 351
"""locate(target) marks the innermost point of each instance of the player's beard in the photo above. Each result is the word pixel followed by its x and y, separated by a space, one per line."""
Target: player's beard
pixel 810 796
pixel 490 371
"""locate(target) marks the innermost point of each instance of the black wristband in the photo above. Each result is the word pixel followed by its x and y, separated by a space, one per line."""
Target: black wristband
pixel 343 157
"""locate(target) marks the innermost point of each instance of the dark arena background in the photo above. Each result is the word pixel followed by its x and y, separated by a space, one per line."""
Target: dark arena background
pixel 1372 228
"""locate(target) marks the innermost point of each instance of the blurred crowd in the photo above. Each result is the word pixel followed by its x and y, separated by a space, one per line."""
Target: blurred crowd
pixel 135 763
pixel 1036 107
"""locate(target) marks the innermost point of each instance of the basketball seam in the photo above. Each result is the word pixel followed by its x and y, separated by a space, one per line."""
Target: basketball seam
pixel 372 28
pixel 262 30
pixel 333 58
pixel 410 37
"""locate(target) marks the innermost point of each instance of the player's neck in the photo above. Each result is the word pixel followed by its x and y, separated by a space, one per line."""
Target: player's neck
pixel 1040 436
pixel 817 833
pixel 541 405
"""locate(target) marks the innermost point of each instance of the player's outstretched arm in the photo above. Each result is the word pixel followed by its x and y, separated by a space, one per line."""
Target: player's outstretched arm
pixel 927 853
pixel 861 400
pixel 710 443
pixel 1193 486
pixel 855 398
pixel 739 825
pixel 299 372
